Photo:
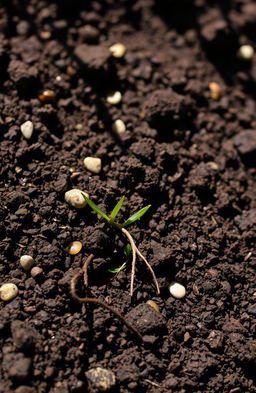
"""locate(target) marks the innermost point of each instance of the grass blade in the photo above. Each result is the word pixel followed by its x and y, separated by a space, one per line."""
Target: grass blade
pixel 116 209
pixel 136 216
pixel 127 251
pixel 118 269
pixel 96 208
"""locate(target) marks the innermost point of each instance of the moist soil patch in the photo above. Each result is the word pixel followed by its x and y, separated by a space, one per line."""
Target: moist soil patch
pixel 190 155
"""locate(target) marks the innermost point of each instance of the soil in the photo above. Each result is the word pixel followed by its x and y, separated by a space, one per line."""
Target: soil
pixel 190 156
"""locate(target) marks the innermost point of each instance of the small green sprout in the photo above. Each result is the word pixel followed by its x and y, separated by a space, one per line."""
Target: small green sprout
pixel 133 249
pixel 118 269
pixel 111 218
pixel 127 254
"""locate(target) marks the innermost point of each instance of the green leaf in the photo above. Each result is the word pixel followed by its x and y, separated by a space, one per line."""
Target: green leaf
pixel 95 208
pixel 127 251
pixel 118 269
pixel 136 216
pixel 116 209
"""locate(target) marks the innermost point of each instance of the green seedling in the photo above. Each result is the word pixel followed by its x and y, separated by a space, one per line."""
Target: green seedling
pixel 134 251
pixel 127 254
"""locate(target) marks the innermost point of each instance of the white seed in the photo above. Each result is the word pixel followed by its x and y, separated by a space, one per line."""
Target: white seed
pixel 36 271
pixel 27 129
pixel 114 98
pixel 119 126
pixel 8 291
pixel 118 50
pixel 92 164
pixel 177 290
pixel 75 198
pixel 246 52
pixel 213 165
pixel 26 262
pixel 153 304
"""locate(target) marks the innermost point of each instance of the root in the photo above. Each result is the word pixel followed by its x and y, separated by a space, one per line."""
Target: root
pixel 135 251
pixel 97 301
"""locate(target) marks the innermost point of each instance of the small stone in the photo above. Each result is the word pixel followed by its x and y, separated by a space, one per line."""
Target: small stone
pixel 119 126
pixel 146 319
pixel 153 304
pixel 118 50
pixel 47 95
pixel 27 129
pixel 177 290
pixel 75 198
pixel 114 98
pixel 246 52
pixel 215 91
pixel 213 165
pixel 75 248
pixel 100 379
pixel 26 262
pixel 36 271
pixel 8 291
pixel 93 164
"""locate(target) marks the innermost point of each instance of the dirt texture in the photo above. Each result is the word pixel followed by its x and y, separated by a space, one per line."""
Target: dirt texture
pixel 191 156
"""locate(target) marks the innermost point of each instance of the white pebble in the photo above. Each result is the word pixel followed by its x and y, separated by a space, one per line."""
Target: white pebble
pixel 8 291
pixel 114 98
pixel 75 198
pixel 119 126
pixel 92 164
pixel 118 50
pixel 246 52
pixel 27 129
pixel 26 262
pixel 177 290
pixel 36 271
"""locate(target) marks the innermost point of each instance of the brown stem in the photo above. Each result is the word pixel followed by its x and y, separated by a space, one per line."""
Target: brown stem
pixel 85 268
pixel 99 302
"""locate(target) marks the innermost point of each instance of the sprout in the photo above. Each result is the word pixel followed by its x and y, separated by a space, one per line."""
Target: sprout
pixel 133 248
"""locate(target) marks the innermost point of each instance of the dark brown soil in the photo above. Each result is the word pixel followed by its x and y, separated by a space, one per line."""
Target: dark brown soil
pixel 192 158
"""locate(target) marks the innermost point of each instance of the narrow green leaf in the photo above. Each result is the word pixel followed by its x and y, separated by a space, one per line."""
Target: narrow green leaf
pixel 127 251
pixel 96 208
pixel 118 269
pixel 136 216
pixel 116 209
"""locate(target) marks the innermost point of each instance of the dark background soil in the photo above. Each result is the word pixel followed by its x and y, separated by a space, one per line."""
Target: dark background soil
pixel 201 228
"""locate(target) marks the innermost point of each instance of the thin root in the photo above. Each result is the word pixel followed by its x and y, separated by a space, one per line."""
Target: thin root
pixel 135 251
pixel 97 301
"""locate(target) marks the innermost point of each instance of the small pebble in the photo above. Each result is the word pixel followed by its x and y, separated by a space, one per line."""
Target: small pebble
pixel 215 91
pixel 246 52
pixel 47 95
pixel 153 304
pixel 8 291
pixel 118 50
pixel 177 290
pixel 75 248
pixel 36 271
pixel 26 262
pixel 27 129
pixel 100 379
pixel 75 198
pixel 114 98
pixel 213 165
pixel 92 164
pixel 119 126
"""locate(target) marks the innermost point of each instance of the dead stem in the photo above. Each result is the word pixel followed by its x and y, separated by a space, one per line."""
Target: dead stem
pixel 135 251
pixel 97 301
